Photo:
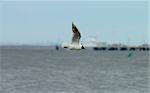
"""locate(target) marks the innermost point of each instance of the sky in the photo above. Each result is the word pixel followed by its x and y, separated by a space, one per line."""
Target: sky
pixel 46 22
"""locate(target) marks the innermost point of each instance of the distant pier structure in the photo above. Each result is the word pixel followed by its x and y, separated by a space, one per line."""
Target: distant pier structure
pixel 120 47
pixel 133 48
pixel 100 48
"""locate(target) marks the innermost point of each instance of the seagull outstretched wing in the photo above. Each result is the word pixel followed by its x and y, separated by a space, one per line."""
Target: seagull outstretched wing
pixel 76 35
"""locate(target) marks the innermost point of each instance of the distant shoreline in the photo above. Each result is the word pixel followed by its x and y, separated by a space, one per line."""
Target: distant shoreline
pixel 96 48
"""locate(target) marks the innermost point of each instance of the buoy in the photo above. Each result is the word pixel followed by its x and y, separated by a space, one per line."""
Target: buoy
pixel 57 47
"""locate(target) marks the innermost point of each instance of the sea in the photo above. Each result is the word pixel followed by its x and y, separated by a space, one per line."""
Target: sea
pixel 43 69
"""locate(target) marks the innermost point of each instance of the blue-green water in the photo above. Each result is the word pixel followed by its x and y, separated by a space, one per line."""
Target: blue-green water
pixel 45 70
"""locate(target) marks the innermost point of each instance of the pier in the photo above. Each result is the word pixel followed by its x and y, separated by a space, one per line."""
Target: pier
pixel 122 48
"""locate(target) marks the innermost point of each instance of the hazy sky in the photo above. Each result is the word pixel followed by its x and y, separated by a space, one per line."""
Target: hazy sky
pixel 45 22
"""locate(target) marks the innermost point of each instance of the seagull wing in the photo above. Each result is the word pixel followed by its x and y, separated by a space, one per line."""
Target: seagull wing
pixel 76 35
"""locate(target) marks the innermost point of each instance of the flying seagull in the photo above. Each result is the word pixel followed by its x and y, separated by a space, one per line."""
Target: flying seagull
pixel 75 44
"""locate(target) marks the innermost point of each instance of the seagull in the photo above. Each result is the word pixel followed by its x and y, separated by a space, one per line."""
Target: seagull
pixel 75 43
